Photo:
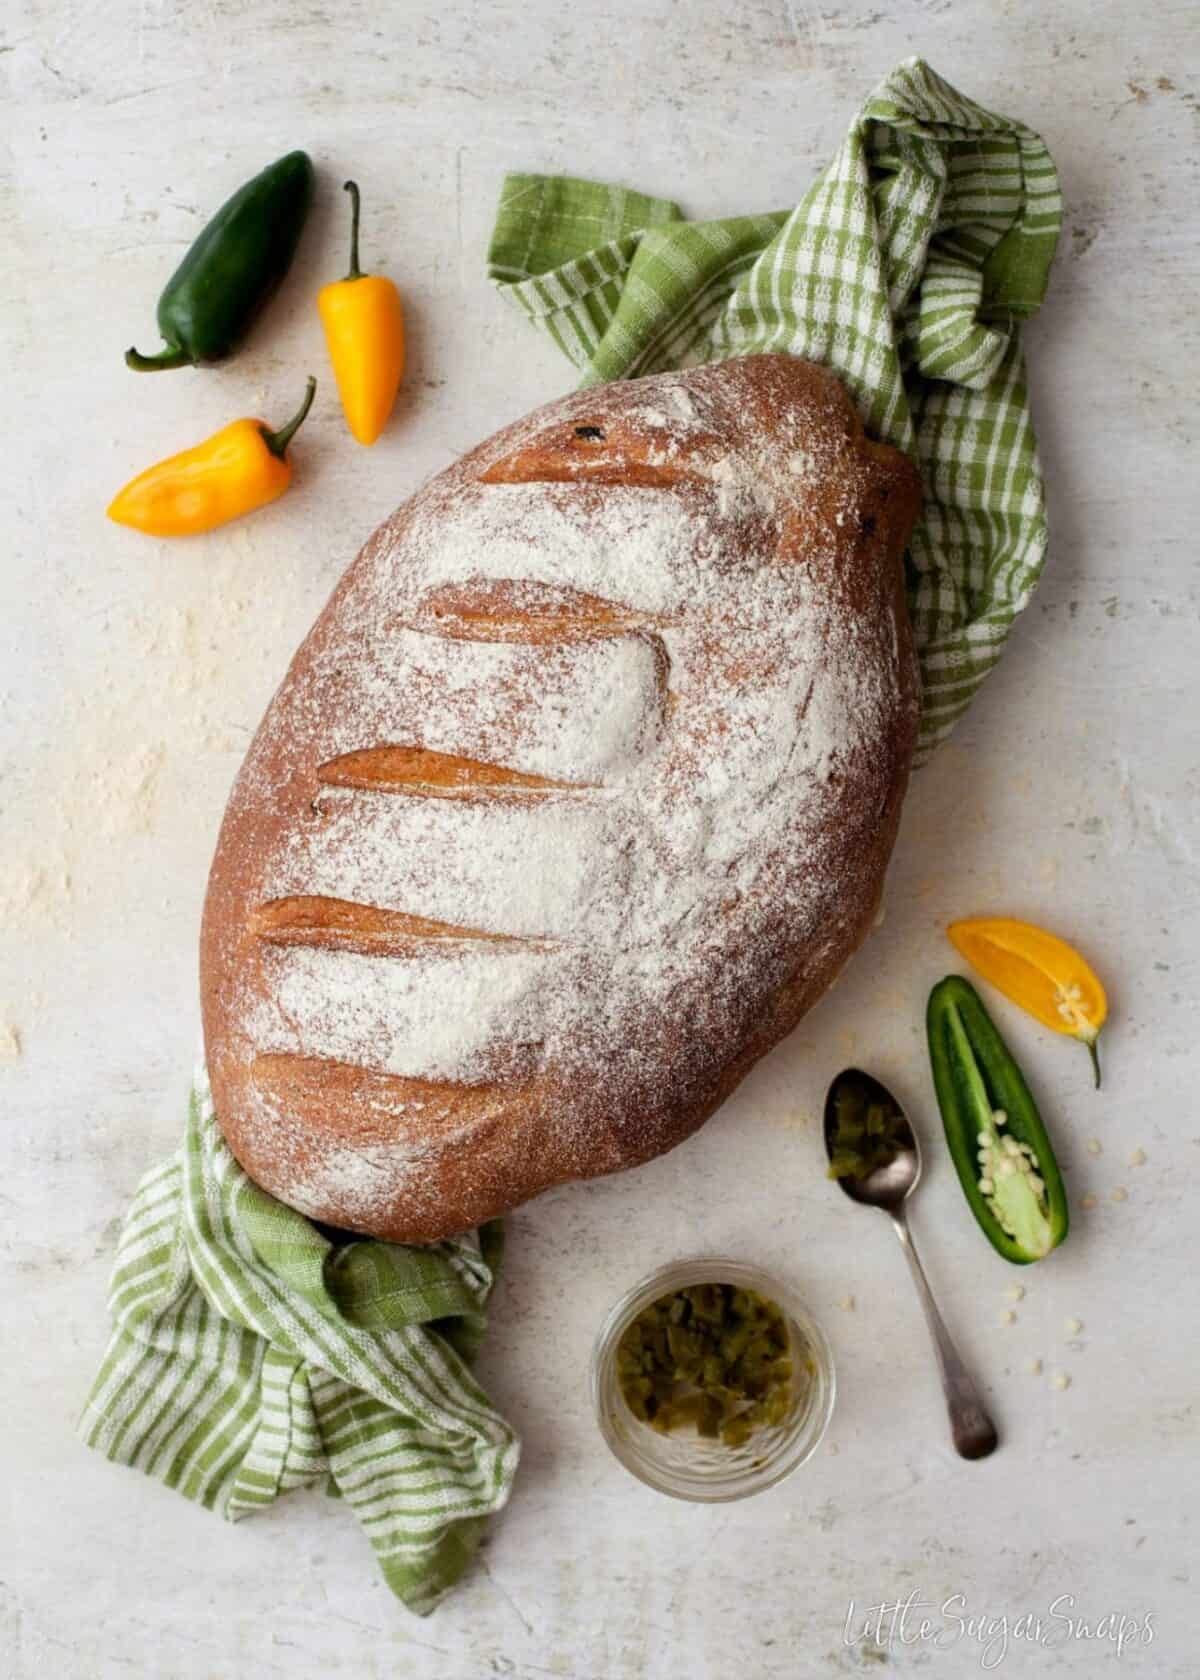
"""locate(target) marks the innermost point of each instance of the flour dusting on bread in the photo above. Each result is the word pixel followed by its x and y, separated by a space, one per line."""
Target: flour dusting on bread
pixel 646 659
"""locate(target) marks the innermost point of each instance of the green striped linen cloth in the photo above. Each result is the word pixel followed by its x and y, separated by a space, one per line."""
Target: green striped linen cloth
pixel 907 269
pixel 250 1355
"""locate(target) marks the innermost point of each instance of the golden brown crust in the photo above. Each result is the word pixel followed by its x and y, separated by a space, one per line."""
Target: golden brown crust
pixel 577 796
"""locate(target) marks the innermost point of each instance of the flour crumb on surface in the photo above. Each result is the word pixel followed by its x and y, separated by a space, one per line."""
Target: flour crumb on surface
pixel 126 791
pixel 10 1043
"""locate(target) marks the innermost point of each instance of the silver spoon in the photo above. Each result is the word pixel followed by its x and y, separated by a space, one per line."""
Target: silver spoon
pixel 889 1187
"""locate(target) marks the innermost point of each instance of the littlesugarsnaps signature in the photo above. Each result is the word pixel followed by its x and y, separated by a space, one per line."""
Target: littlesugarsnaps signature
pixel 916 1620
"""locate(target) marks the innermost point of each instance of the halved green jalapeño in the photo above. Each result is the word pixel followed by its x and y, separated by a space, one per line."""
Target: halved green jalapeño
pixel 997 1141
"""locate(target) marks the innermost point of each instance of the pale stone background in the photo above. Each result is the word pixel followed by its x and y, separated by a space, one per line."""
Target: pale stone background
pixel 132 673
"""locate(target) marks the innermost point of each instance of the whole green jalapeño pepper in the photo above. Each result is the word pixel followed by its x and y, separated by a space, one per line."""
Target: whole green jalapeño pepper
pixel 231 270
pixel 997 1140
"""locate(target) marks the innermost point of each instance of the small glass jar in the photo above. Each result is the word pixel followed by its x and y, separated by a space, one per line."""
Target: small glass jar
pixel 685 1464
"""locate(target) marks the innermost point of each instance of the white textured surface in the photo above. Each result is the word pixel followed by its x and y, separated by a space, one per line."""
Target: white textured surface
pixel 131 673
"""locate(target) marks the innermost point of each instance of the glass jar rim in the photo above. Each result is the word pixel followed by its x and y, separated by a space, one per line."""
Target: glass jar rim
pixel 796 1447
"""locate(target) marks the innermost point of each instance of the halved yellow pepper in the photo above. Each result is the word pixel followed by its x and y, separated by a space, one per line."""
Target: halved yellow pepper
pixel 1040 972
pixel 364 329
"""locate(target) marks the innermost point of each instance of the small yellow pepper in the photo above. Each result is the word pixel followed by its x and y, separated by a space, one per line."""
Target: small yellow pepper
pixel 1040 972
pixel 364 329
pixel 242 467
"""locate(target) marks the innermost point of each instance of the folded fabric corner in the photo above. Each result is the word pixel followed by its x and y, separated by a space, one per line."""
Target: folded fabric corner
pixel 907 268
pixel 251 1355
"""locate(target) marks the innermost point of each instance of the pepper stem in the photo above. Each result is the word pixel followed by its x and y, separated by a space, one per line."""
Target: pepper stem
pixel 277 442
pixel 168 358
pixel 1094 1053
pixel 352 188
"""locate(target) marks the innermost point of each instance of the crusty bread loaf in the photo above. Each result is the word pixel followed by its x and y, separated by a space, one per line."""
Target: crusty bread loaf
pixel 579 793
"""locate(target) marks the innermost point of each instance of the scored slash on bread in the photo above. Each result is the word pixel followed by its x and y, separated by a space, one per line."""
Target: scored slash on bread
pixel 578 794
pixel 358 1108
pixel 634 449
pixel 334 924
pixel 526 611
pixel 433 775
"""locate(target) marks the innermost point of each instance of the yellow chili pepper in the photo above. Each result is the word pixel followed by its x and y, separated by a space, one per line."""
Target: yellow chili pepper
pixel 1039 971
pixel 364 329
pixel 242 467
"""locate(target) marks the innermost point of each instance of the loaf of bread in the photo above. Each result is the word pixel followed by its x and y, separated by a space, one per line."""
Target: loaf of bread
pixel 579 793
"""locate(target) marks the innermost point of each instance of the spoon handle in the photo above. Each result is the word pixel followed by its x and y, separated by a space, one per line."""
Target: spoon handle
pixel 973 1430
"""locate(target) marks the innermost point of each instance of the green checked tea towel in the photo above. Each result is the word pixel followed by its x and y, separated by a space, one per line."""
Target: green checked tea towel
pixel 250 1356
pixel 906 269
